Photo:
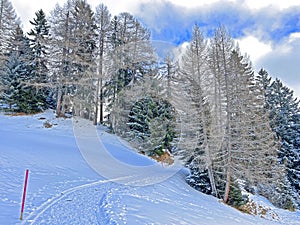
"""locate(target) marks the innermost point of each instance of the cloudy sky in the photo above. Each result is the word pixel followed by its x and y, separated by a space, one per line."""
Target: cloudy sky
pixel 267 30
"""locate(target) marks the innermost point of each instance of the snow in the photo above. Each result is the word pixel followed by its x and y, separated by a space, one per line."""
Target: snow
pixel 80 174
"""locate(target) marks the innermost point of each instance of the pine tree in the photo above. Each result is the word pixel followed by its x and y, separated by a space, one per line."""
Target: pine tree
pixel 19 94
pixel 39 36
pixel 8 24
pixel 276 188
pixel 283 110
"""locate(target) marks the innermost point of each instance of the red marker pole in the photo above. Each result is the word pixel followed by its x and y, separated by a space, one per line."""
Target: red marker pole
pixel 24 194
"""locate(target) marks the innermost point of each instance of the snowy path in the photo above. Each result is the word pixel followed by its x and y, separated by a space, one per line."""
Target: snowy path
pixel 65 196
pixel 112 203
pixel 63 189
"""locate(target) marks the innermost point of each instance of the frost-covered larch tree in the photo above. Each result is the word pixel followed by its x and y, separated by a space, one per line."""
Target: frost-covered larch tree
pixel 253 143
pixel 102 20
pixel 83 62
pixel 194 77
pixel 273 181
pixel 242 145
pixel 72 57
pixel 131 55
pixel 61 42
pixel 220 53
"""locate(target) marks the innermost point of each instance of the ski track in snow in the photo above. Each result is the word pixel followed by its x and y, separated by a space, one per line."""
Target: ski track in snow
pixel 65 196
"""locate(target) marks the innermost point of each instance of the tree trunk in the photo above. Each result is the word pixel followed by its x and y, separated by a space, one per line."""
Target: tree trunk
pixel 59 103
pixel 101 102
pixel 228 176
pixel 97 102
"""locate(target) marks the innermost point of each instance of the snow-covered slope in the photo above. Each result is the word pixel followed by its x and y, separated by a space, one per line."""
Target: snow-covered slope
pixel 64 189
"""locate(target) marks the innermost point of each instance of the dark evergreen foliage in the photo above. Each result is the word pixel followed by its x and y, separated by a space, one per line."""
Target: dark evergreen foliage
pixel 20 95
pixel 38 37
pixel 284 118
pixel 142 115
pixel 198 179
pixel 38 41
pixel 236 197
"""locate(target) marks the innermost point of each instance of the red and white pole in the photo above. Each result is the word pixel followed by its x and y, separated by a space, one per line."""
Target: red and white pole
pixel 24 193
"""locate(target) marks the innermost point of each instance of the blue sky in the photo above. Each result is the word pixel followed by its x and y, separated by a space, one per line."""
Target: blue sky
pixel 267 30
pixel 173 23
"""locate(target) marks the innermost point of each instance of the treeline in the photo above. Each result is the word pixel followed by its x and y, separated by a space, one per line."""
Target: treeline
pixel 233 128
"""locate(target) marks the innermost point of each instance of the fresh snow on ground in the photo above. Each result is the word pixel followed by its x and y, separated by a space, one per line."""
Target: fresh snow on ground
pixel 127 188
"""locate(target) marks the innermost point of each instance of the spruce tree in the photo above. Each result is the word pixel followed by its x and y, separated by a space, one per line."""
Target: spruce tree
pixel 14 71
pixel 151 121
pixel 8 24
pixel 284 112
pixel 19 94
pixel 39 37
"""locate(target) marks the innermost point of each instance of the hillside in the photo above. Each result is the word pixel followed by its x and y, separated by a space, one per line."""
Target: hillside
pixel 130 189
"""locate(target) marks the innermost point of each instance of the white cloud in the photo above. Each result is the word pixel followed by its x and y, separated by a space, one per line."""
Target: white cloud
pixel 193 3
pixel 254 48
pixel 26 9
pixel 283 62
pixel 294 36
pixel 296 89
pixel 252 4
pixel 281 4
pixel 117 6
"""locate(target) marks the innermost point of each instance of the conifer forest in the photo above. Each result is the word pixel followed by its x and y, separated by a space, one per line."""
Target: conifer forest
pixel 234 128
